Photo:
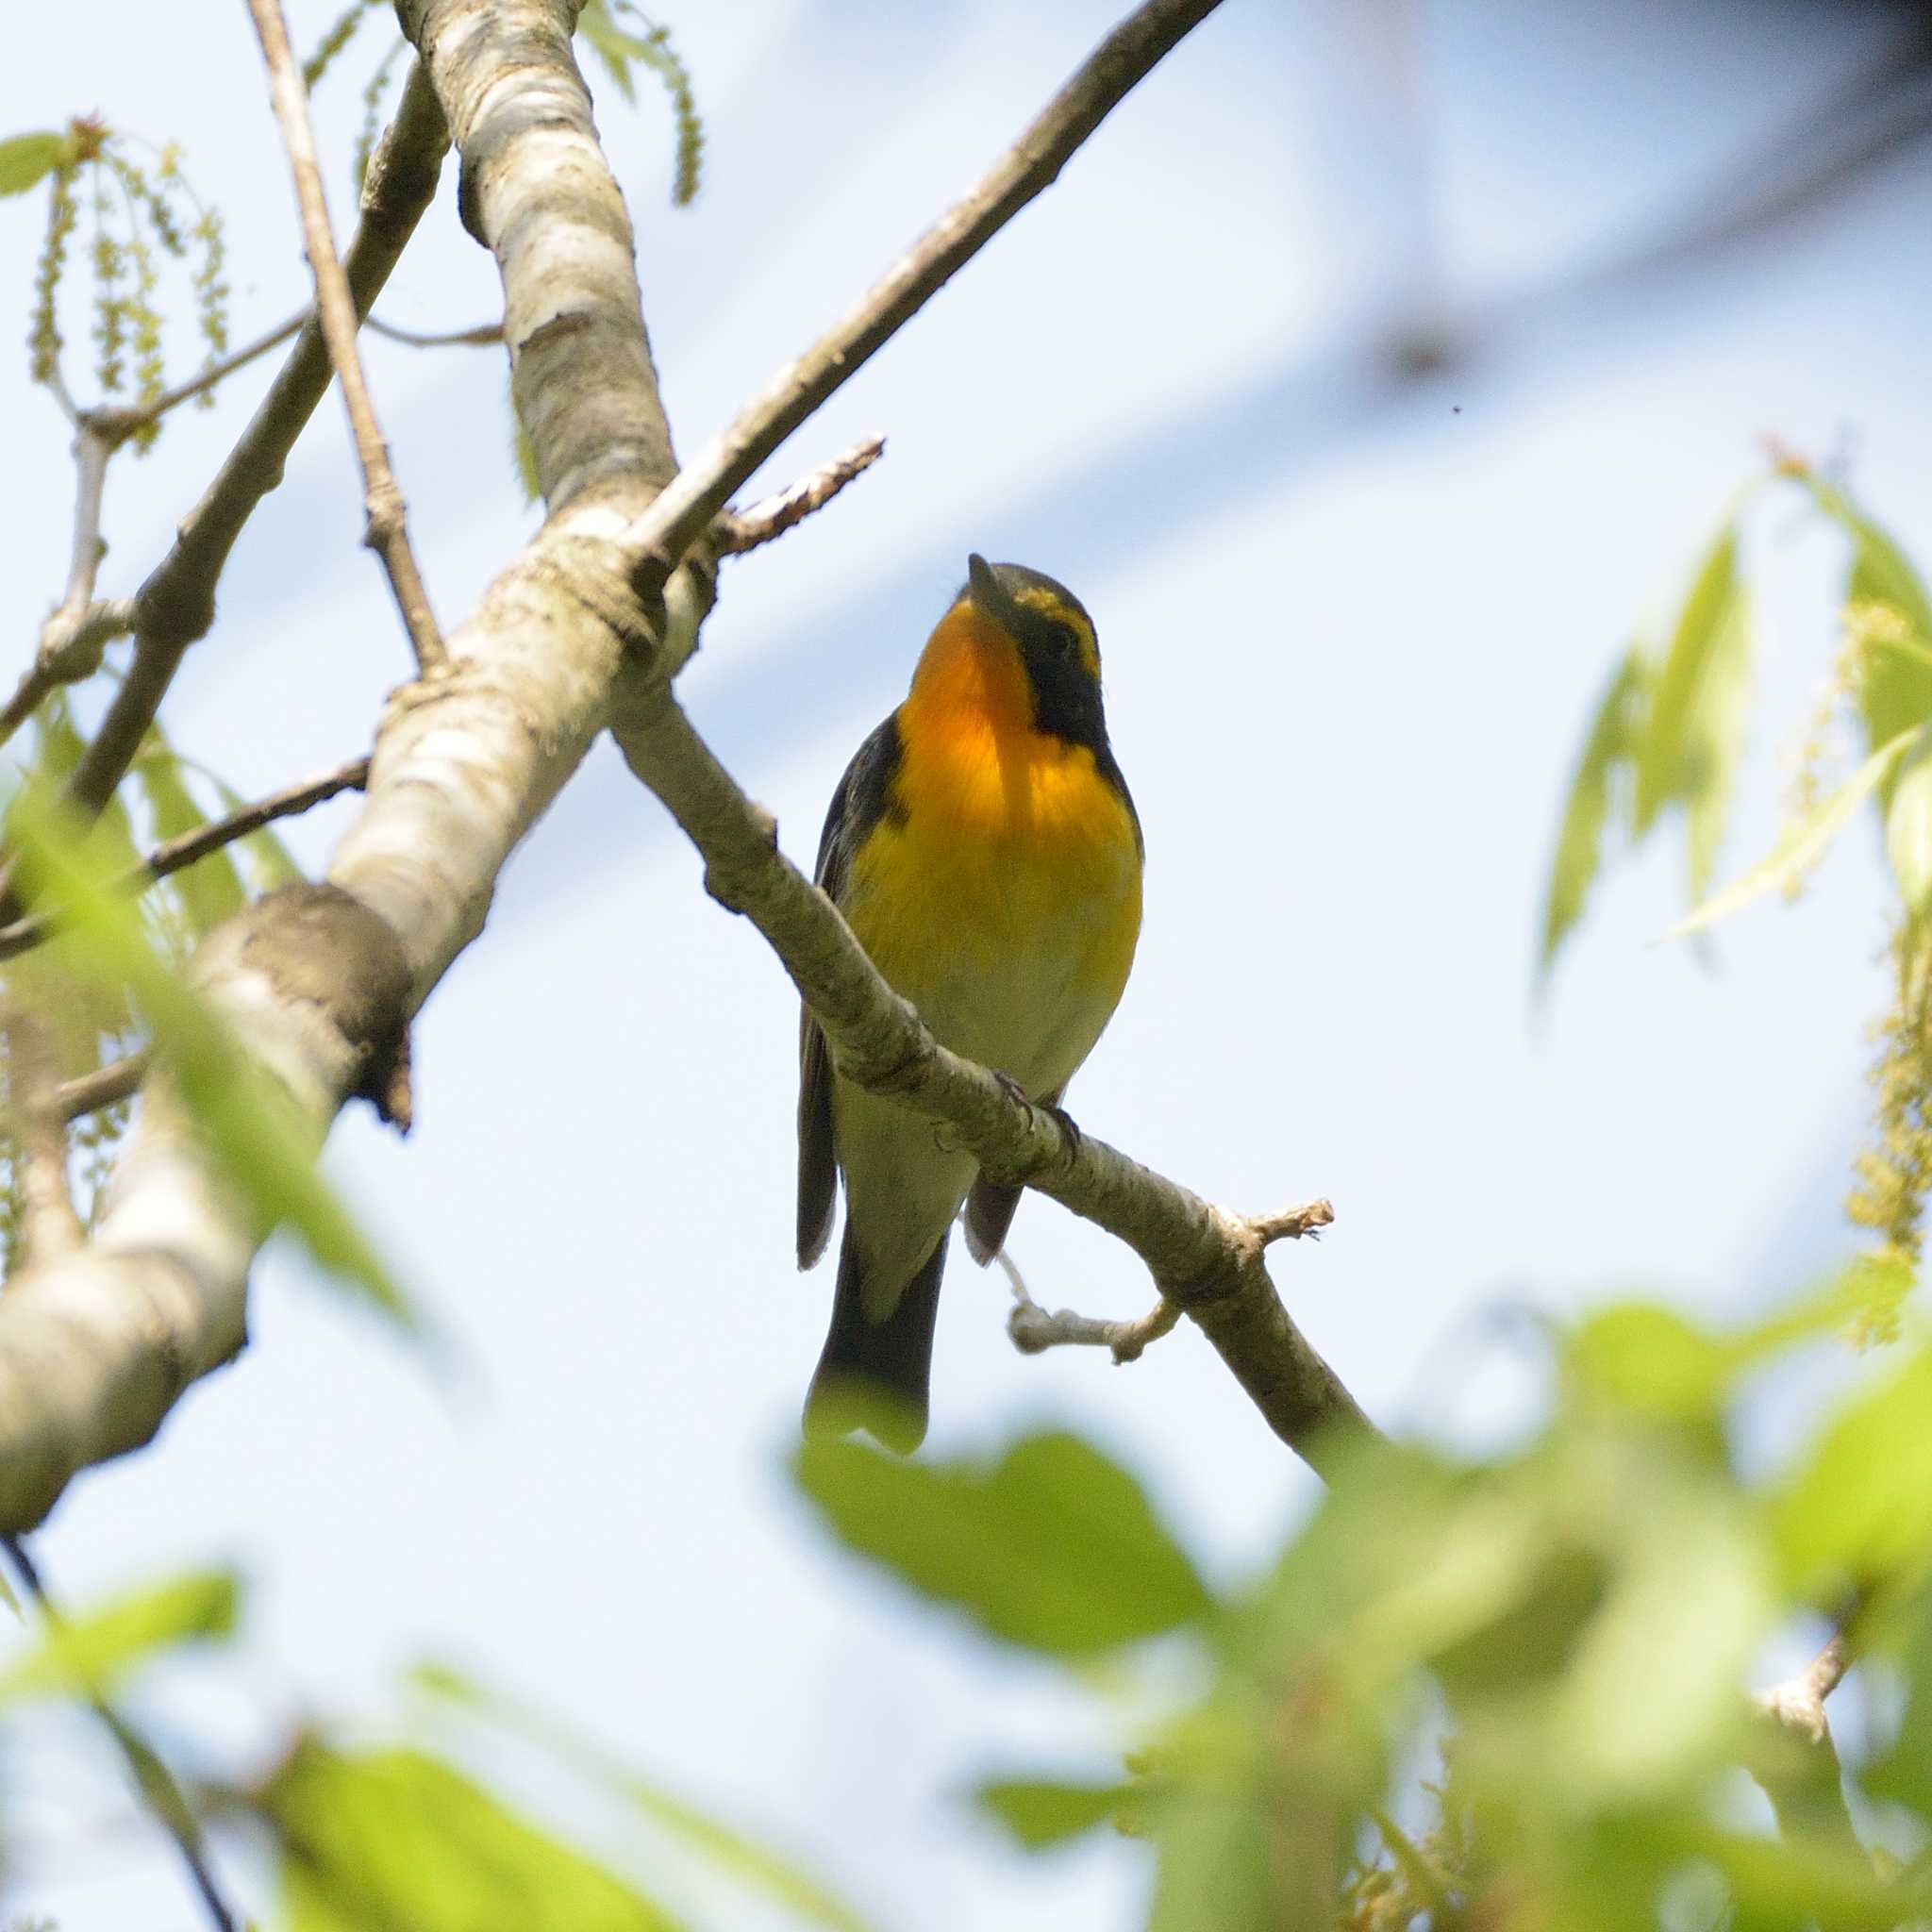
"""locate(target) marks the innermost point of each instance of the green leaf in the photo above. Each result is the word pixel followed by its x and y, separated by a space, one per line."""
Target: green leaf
pixel 86 1655
pixel 381 1839
pixel 1895 691
pixel 729 1851
pixel 1649 1703
pixel 1909 830
pixel 1799 848
pixel 1859 1508
pixel 264 1144
pixel 1904 1774
pixel 1041 1814
pixel 27 159
pixel 1664 752
pixel 1713 739
pixel 1651 1361
pixel 524 453
pixel 1579 844
pixel 615 49
pixel 1052 1546
pixel 211 889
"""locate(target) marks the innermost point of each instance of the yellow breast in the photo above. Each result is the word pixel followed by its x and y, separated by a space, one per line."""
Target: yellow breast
pixel 1001 893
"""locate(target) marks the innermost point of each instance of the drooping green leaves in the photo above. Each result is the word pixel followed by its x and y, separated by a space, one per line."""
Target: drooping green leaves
pixel 265 1147
pixel 377 1841
pixel 1805 840
pixel 26 159
pixel 86 1657
pixel 1667 734
pixel 211 889
pixel 1050 1546
pixel 1580 843
pixel 617 48
pixel 1895 687
pixel 1668 755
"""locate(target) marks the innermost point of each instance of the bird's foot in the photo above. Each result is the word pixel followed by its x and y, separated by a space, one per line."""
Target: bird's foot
pixel 1070 1128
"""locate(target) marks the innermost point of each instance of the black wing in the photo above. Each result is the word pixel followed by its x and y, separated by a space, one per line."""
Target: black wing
pixel 863 797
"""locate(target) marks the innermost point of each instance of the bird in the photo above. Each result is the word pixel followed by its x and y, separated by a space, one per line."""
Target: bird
pixel 984 848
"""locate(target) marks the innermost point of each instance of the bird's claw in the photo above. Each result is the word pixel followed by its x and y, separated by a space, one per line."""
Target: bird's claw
pixel 1069 1127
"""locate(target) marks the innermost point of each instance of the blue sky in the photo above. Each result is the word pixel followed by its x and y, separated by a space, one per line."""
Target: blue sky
pixel 1352 628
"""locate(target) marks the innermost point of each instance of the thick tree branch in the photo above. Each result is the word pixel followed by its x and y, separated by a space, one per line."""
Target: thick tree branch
pixel 1205 1260
pixel 94 1357
pixel 175 854
pixel 176 605
pixel 95 1350
pixel 387 529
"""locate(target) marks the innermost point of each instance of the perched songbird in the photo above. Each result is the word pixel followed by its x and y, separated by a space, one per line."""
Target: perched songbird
pixel 983 846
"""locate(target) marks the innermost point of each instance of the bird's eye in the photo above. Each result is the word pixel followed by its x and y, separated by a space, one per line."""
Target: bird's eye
pixel 1065 645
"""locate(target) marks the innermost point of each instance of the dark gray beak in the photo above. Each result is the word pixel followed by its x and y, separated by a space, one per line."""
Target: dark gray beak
pixel 985 589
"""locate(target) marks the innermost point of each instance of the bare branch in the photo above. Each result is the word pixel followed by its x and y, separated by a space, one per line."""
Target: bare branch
pixel 737 531
pixel 1034 1330
pixel 40 1141
pixel 1207 1262
pixel 175 854
pixel 102 1088
pixel 484 334
pixel 387 532
pixel 159 1790
pixel 680 515
pixel 176 605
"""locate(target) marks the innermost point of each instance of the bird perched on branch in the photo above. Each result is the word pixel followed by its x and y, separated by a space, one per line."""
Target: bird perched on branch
pixel 983 847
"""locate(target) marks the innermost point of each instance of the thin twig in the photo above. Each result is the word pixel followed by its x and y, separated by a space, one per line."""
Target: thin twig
pixel 679 516
pixel 175 854
pixel 481 335
pixel 739 530
pixel 77 631
pixel 40 1141
pixel 74 635
pixel 387 530
pixel 102 1088
pixel 1034 1330
pixel 119 422
pixel 158 1787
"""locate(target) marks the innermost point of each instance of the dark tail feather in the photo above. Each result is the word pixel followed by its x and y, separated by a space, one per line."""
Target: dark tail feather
pixel 872 1375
